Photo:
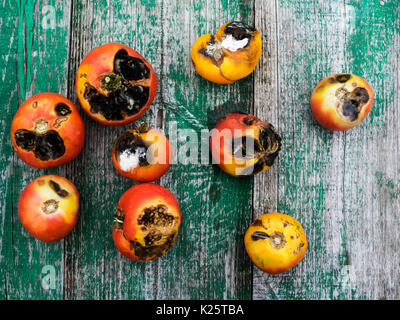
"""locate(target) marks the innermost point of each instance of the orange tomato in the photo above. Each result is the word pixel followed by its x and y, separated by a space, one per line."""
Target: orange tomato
pixel 275 242
pixel 142 154
pixel 115 84
pixel 341 101
pixel 147 222
pixel 48 207
pixel 47 131
pixel 230 55
pixel 243 145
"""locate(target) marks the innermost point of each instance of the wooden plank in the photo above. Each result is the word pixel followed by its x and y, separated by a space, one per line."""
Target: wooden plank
pixel 8 98
pixel 372 155
pixel 326 180
pixel 343 187
pixel 32 64
pixel 94 268
pixel 207 261
pixel 210 257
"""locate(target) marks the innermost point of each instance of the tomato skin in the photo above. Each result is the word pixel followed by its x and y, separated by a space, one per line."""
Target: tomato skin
pixel 50 226
pixel 323 102
pixel 239 125
pixel 234 65
pixel 72 130
pixel 131 208
pixel 157 141
pixel 270 256
pixel 100 61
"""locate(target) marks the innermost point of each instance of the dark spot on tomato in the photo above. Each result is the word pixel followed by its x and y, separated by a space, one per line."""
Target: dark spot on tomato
pixel 162 232
pixel 62 109
pixel 156 216
pixel 25 139
pixel 45 146
pixel 257 223
pixel 265 149
pixel 134 145
pixel 124 99
pixel 239 30
pixel 350 109
pixel 250 120
pixel 353 101
pixel 145 252
pixel 359 94
pixel 57 189
pixel 259 235
pixel 244 147
pixel 49 146
pixel 130 68
pixel 151 238
pixel 298 249
pixel 342 78
pixel 271 144
pixel 204 51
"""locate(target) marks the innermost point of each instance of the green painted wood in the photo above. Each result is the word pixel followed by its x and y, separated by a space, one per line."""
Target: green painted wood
pixel 343 187
pixel 210 256
pixel 34 60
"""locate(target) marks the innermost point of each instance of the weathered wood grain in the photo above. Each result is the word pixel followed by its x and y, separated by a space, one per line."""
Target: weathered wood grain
pixel 216 207
pixel 207 261
pixel 35 61
pixel 343 187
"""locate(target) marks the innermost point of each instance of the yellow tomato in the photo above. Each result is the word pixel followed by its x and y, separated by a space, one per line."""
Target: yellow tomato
pixel 275 242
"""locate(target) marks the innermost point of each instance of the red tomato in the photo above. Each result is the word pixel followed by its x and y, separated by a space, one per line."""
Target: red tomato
pixel 142 154
pixel 115 84
pixel 147 222
pixel 47 131
pixel 341 101
pixel 48 207
pixel 243 145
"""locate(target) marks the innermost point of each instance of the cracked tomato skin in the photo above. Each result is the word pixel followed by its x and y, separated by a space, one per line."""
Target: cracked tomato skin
pixel 136 220
pixel 143 172
pixel 329 95
pixel 100 62
pixel 275 242
pixel 48 208
pixel 240 124
pixel 67 123
pixel 227 66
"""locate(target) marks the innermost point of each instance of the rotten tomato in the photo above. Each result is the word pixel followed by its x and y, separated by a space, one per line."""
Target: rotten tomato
pixel 47 131
pixel 341 101
pixel 115 84
pixel 275 242
pixel 147 222
pixel 243 145
pixel 142 154
pixel 229 55
pixel 48 207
